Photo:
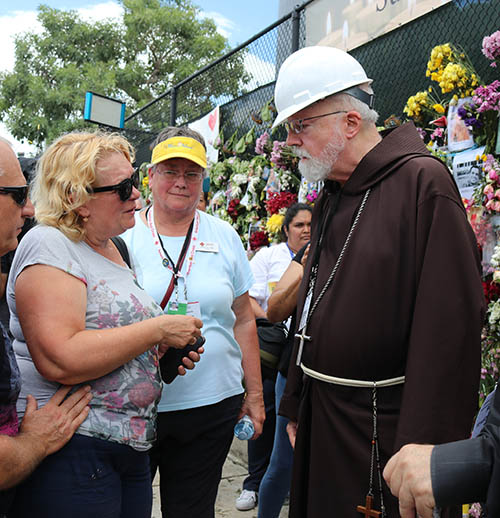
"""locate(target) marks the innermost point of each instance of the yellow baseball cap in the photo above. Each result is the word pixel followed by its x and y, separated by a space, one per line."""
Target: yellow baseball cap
pixel 180 147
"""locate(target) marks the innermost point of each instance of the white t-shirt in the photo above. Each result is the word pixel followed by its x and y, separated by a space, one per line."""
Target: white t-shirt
pixel 217 278
pixel 268 265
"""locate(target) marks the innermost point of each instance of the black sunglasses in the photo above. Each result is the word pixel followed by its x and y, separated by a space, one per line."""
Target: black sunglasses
pixel 19 194
pixel 123 189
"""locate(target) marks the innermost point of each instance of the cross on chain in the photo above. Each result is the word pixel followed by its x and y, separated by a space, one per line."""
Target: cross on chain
pixel 303 338
pixel 367 508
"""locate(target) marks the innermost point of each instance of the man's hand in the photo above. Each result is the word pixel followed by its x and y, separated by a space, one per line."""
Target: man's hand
pixel 408 475
pixel 291 429
pixel 54 424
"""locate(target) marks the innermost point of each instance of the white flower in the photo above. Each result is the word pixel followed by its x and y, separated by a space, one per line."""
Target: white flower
pixel 495 258
pixel 494 314
pixel 239 178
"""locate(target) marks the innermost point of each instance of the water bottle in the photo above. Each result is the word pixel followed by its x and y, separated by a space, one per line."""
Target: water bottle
pixel 244 428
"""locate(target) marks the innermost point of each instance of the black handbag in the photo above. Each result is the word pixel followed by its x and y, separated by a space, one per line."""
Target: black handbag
pixel 272 339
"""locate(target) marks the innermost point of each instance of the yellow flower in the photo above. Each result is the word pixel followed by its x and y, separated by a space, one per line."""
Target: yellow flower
pixel 145 182
pixel 274 223
pixel 438 108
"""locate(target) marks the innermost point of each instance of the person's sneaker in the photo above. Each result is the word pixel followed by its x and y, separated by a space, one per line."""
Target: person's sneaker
pixel 247 500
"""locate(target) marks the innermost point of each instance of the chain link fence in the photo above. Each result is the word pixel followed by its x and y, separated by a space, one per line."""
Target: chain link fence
pixel 243 81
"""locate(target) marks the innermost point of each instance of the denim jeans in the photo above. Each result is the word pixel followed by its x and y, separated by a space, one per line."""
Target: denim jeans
pixel 276 482
pixel 87 478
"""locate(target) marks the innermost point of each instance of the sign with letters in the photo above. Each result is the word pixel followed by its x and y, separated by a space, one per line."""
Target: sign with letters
pixel 347 24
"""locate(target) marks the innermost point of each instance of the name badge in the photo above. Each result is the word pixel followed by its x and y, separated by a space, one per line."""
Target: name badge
pixel 204 246
pixel 194 309
pixel 176 308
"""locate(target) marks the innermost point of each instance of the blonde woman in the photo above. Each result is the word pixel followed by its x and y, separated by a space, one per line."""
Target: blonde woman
pixel 78 315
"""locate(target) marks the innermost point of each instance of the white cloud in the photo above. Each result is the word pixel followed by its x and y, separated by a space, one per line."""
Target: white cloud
pixel 102 11
pixel 225 26
pixel 15 23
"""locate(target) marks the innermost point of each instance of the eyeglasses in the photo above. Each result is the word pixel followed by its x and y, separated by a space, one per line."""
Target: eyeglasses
pixel 189 176
pixel 19 194
pixel 297 126
pixel 123 189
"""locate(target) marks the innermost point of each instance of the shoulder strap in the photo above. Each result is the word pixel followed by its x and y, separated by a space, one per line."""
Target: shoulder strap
pixel 122 248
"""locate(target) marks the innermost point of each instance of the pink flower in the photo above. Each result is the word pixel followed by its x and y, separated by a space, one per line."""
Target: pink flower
pixel 493 175
pixel 488 192
pixel 497 194
pixel 491 47
pixel 260 143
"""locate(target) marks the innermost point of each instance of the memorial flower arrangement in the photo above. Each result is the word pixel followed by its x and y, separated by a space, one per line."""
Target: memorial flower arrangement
pixel 487 195
pixel 451 69
pixel 255 180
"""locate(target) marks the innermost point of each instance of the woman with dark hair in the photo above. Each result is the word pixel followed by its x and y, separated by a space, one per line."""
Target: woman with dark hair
pixel 191 262
pixel 268 265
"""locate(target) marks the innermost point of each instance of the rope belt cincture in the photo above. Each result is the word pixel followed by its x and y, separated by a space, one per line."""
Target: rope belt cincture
pixel 350 383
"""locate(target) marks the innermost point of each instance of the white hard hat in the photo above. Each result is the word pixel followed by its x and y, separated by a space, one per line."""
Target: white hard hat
pixel 313 73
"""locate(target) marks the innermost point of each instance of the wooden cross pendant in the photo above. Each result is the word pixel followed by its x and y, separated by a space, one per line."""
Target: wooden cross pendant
pixel 367 508
pixel 303 338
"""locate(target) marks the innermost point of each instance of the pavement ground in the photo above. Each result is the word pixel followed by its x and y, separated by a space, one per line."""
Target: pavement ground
pixel 233 474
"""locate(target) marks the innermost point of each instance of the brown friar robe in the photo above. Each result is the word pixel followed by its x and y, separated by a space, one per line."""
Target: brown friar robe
pixel 406 300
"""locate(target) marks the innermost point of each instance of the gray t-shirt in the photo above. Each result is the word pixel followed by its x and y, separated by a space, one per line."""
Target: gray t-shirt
pixel 123 407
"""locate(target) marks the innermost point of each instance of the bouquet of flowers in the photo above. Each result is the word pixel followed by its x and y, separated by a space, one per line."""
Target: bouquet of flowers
pixel 491 48
pixel 487 194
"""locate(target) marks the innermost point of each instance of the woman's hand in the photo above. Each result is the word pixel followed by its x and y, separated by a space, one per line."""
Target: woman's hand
pixel 305 256
pixel 253 406
pixel 177 331
pixel 190 360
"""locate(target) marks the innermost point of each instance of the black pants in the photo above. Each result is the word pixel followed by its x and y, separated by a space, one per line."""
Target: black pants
pixel 190 451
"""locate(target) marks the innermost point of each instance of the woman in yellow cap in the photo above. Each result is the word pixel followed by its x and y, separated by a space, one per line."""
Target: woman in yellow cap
pixel 193 263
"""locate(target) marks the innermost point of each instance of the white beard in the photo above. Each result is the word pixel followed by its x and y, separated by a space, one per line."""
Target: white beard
pixel 317 169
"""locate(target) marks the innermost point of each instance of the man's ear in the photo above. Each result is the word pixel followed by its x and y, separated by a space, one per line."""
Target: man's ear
pixel 353 124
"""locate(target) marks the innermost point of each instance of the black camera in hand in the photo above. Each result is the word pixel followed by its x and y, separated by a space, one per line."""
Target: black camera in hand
pixel 172 359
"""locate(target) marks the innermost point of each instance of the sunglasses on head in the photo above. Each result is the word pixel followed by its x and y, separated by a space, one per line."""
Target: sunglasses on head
pixel 123 189
pixel 19 194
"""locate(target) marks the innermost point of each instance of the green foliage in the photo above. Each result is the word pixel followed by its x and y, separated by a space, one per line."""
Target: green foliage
pixel 157 44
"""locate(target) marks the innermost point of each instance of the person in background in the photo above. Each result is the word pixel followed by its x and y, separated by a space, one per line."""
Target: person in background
pixel 282 304
pixel 78 316
pixel 43 431
pixel 28 169
pixel 191 262
pixel 268 265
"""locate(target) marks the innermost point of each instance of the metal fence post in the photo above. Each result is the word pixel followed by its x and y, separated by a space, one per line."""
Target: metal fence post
pixel 173 106
pixel 295 29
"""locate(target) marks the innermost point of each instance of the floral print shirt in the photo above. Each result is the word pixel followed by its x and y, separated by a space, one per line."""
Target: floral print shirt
pixel 123 407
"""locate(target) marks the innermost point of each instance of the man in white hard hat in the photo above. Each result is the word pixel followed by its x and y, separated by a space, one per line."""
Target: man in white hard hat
pixel 391 305
pixel 42 431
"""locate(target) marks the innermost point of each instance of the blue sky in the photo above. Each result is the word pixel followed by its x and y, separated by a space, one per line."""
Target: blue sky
pixel 240 19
